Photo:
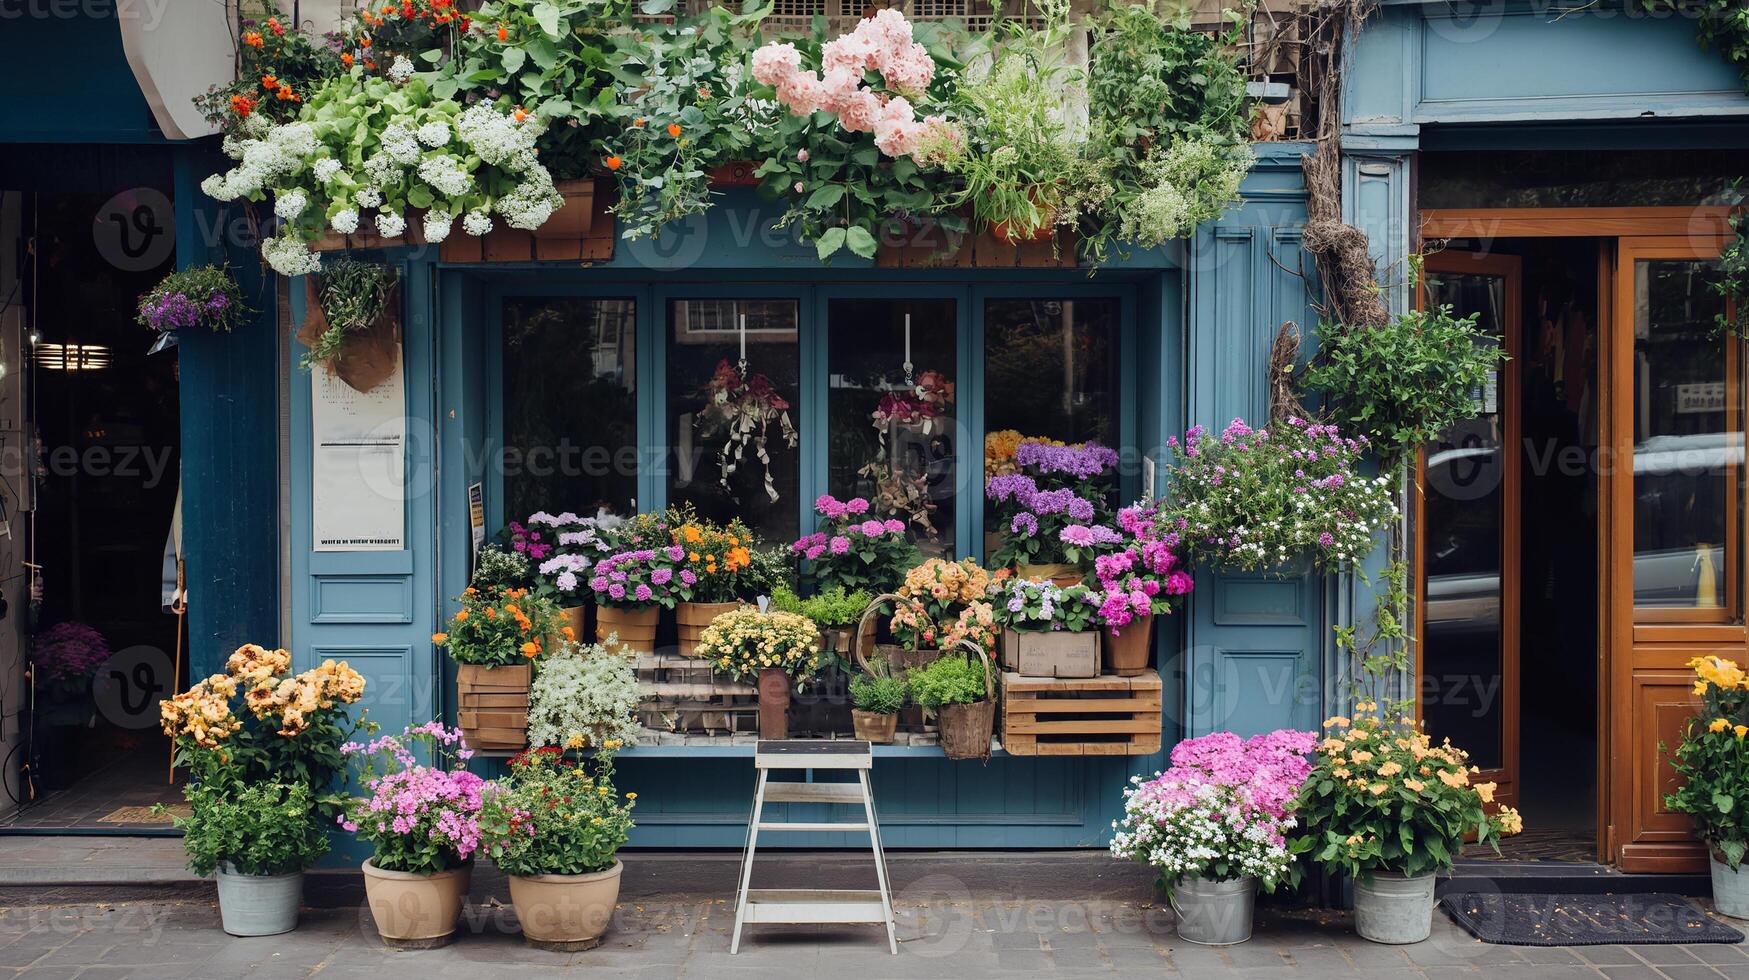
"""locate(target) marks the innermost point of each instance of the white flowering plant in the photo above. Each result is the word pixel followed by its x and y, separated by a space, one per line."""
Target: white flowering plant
pixel 1259 499
pixel 376 152
pixel 585 697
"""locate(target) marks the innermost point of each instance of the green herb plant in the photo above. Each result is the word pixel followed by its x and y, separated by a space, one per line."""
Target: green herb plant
pixel 951 679
pixel 266 828
pixel 353 294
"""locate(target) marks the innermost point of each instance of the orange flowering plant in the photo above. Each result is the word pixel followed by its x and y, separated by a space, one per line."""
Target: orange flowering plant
pixel 500 628
pixel 1383 798
pixel 716 555
pixel 257 721
pixel 1712 761
pixel 944 602
pixel 278 67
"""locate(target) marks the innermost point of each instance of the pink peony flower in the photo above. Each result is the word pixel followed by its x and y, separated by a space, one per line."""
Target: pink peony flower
pixel 775 62
pixel 860 112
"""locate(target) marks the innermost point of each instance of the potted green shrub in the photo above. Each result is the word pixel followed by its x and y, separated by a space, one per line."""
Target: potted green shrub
pixel 962 693
pixel 256 841
pixel 555 826
pixel 876 700
pixel 1712 766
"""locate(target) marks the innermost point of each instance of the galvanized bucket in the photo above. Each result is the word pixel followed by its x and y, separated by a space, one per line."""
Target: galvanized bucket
pixel 1730 890
pixel 1394 909
pixel 1214 913
pixel 259 905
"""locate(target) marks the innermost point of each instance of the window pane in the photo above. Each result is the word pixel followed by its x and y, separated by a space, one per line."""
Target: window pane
pixel 892 443
pixel 1463 658
pixel 710 467
pixel 1685 452
pixel 1050 372
pixel 570 406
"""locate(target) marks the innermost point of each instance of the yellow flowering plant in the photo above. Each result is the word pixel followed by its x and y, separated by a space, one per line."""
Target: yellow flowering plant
pixel 1712 760
pixel 258 722
pixel 745 641
pixel 1383 798
pixel 943 602
pixel 499 628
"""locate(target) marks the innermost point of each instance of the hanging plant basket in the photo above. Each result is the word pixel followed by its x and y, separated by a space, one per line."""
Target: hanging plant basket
pixel 367 354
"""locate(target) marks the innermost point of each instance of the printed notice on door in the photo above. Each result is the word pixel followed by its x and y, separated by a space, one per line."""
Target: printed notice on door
pixel 358 475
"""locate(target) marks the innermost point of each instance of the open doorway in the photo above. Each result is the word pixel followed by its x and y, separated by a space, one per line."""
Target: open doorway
pixel 99 639
pixel 1509 543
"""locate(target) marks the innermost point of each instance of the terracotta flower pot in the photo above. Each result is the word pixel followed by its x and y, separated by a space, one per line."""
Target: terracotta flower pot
pixel 872 726
pixel 416 911
pixel 1127 652
pixel 966 729
pixel 577 617
pixel 635 626
pixel 566 912
pixel 691 618
pixel 774 688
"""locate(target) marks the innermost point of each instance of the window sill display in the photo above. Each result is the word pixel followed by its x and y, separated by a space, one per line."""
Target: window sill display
pixel 1214 827
pixel 421 819
pixel 1712 763
pixel 775 649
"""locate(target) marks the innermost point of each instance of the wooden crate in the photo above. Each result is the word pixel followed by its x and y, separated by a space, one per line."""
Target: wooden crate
pixel 1107 715
pixel 683 694
pixel 492 706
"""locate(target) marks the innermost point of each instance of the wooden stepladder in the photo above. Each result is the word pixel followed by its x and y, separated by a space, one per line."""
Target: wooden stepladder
pixel 814 905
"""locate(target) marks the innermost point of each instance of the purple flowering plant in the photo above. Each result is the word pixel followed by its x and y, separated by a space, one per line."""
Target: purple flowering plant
pixel 1142 577
pixel 420 818
pixel 1053 509
pixel 563 548
pixel 1259 499
pixel 1028 606
pixel 1223 810
pixel 65 657
pixel 204 296
pixel 643 577
pixel 853 550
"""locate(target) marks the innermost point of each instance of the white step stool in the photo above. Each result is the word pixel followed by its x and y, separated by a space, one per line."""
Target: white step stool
pixel 809 905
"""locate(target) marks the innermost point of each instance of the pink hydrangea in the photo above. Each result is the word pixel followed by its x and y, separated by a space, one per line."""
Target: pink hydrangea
pixel 860 112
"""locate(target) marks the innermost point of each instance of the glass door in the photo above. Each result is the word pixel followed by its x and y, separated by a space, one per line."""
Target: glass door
pixel 1673 543
pixel 1469 540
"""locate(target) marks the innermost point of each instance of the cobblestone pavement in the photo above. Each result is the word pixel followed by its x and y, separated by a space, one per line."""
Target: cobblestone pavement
pixel 660 938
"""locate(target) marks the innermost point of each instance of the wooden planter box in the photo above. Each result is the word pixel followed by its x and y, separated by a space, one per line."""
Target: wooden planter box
pixel 1092 716
pixel 684 694
pixel 1051 653
pixel 582 232
pixel 492 705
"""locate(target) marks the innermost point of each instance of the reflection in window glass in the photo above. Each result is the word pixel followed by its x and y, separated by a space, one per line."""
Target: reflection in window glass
pixel 891 442
pixel 732 438
pixel 1464 526
pixel 1685 450
pixel 1050 372
pixel 570 406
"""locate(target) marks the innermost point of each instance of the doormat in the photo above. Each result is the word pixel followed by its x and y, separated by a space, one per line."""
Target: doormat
pixel 144 814
pixel 1585 920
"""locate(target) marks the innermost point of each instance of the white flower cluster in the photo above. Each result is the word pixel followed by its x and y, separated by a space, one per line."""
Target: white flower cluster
pixel 280 153
pixel 290 257
pixel 401 70
pixel 1200 837
pixel 583 697
pixel 445 173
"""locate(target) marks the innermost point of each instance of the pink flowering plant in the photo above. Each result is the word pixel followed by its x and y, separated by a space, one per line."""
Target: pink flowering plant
pixel 556 816
pixel 569 547
pixel 643 577
pixel 854 551
pixel 1260 498
pixel 1222 812
pixel 1143 577
pixel 421 818
pixel 1053 508
pixel 857 154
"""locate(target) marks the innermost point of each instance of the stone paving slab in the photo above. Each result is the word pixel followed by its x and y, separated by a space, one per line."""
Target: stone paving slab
pixel 681 936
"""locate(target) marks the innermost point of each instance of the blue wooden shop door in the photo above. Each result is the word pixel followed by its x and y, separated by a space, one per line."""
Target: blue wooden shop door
pixel 372 608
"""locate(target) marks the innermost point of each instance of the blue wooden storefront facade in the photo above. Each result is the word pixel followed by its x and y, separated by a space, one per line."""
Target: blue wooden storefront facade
pixel 1248 653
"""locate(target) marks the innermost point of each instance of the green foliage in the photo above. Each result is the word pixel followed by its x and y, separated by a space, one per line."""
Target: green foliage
pixel 1383 652
pixel 768 572
pixel 881 695
pixel 1733 282
pixel 834 607
pixel 206 293
pixel 264 829
pixel 843 192
pixel 951 679
pixel 497 569
pixel 353 295
pixel 553 816
pixel 1712 762
pixel 683 109
pixel 1403 383
pixel 555 62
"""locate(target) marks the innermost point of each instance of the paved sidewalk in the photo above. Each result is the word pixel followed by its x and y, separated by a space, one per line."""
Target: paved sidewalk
pixel 943 935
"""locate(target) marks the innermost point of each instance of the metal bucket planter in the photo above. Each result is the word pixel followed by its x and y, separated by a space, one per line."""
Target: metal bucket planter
pixel 567 913
pixel 1730 889
pixel 1393 909
pixel 259 905
pixel 1214 913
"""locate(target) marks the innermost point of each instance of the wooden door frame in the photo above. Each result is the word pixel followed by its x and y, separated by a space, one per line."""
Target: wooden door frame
pixel 1509 268
pixel 1711 225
